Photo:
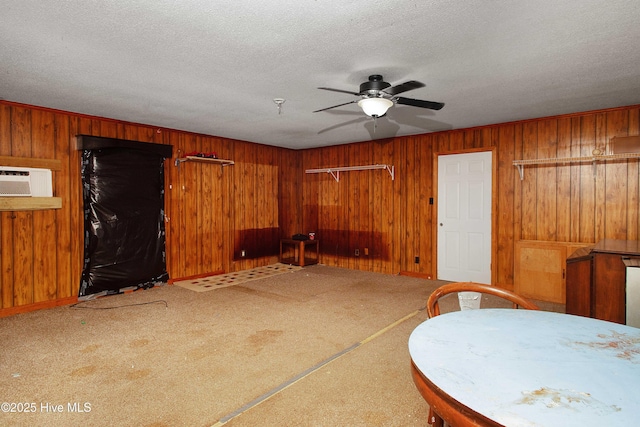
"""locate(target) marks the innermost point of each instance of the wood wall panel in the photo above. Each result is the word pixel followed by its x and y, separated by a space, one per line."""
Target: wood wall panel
pixel 393 216
pixel 406 163
pixel 206 206
pixel 588 176
pixel 566 202
pixel 211 211
pixel 62 189
pixel 341 199
pixel 289 187
pixel 507 178
pixel 415 154
pixel 352 210
pixel 43 129
pixel 574 181
pixel 546 202
pixel 517 186
pixel 22 223
pixel 601 177
pixel 617 123
pixel 75 226
pixel 206 187
pixel 6 227
pixel 530 185
pixel 563 189
pixel 633 216
pixel 172 207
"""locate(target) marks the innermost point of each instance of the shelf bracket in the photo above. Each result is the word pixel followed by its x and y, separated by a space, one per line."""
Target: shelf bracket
pixel 392 171
pixel 520 171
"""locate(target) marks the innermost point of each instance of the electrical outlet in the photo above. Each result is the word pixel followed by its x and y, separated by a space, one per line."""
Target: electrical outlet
pixel 357 252
pixel 243 253
pixel 417 260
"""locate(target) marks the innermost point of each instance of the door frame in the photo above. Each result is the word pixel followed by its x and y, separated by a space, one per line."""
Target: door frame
pixel 494 206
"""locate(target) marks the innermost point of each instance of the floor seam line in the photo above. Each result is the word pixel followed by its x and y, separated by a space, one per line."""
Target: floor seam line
pixel 266 396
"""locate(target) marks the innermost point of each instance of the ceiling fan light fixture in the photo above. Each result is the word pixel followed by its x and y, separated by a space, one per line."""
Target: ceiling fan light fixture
pixel 375 107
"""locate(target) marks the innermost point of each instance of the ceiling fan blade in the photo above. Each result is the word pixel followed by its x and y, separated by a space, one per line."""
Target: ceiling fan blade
pixel 420 103
pixel 339 90
pixel 403 87
pixel 335 106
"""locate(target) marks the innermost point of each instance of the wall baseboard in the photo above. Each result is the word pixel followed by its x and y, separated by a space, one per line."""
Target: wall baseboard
pixel 10 311
pixel 417 275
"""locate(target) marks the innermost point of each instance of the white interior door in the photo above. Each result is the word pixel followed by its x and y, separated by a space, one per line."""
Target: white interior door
pixel 464 217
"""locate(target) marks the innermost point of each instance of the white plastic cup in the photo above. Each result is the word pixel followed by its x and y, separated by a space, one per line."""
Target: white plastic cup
pixel 469 300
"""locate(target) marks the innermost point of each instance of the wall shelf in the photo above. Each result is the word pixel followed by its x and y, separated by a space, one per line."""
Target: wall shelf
pixel 30 203
pixel 559 160
pixel 221 162
pixel 335 172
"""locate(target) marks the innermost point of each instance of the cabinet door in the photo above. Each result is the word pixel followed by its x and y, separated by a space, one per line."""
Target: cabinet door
pixel 609 288
pixel 579 287
pixel 540 271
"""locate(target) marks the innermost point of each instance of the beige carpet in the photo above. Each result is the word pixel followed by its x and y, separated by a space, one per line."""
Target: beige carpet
pixel 219 281
pixel 321 346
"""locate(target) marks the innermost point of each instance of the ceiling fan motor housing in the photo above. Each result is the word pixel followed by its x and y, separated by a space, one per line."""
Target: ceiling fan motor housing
pixel 374 85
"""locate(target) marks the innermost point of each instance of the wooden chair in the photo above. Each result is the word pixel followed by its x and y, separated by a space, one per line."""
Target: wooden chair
pixel 433 309
pixel 432 303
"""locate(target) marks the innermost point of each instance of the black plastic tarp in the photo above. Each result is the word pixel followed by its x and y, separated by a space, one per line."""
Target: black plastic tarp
pixel 124 244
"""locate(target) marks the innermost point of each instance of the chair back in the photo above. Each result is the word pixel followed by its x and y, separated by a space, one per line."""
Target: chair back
pixel 433 309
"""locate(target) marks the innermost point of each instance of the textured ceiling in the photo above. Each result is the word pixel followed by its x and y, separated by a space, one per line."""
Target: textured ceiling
pixel 215 66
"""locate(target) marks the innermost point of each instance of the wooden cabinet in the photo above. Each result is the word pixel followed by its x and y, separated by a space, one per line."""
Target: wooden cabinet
pixel 579 268
pixel 608 290
pixel 540 269
pixel 596 280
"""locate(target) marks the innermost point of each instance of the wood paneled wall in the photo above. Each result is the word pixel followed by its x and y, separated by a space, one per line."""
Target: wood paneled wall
pixel 395 221
pixel 214 213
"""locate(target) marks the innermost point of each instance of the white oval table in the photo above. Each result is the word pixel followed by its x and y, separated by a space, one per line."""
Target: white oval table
pixel 505 367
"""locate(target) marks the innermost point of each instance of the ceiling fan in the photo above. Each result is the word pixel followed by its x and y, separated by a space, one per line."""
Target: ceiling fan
pixel 377 96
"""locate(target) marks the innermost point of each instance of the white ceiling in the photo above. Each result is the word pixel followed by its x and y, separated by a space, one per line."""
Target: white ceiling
pixel 215 66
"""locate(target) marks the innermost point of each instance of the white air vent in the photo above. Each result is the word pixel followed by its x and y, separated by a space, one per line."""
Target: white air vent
pixel 25 182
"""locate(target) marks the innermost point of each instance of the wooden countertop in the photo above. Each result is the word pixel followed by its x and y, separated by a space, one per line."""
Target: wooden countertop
pixel 625 247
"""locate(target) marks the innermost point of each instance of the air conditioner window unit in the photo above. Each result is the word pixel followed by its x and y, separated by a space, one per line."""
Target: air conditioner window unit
pixel 25 182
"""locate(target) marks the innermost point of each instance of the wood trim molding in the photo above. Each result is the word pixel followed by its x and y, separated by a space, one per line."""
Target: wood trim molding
pixel 10 311
pixel 30 162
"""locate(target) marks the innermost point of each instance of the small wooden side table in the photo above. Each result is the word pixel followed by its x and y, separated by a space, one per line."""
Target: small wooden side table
pixel 299 252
